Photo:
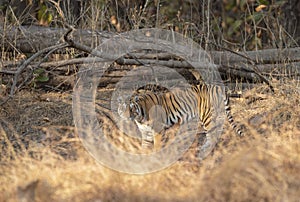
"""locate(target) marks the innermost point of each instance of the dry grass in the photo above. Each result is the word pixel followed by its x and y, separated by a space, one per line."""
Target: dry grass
pixel 263 166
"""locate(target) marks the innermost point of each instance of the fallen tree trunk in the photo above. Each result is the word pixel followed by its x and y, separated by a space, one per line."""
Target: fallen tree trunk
pixel 251 66
pixel 68 67
pixel 30 39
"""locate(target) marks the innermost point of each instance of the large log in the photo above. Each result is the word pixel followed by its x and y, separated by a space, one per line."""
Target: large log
pixel 40 40
pixel 30 39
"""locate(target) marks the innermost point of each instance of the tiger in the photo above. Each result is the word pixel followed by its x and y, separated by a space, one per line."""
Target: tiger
pixel 154 112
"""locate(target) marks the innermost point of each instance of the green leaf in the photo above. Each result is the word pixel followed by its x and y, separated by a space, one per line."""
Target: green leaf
pixel 256 16
pixel 42 78
pixel 38 71
pixel 42 12
pixel 49 17
pixel 236 24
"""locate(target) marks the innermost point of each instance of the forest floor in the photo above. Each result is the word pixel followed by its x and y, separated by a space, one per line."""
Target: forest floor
pixel 43 159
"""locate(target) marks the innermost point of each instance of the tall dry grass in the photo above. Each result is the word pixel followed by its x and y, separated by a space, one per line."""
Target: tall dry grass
pixel 262 166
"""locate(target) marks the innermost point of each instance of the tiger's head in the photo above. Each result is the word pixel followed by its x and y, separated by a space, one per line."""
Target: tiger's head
pixel 144 108
pixel 136 107
pixel 131 108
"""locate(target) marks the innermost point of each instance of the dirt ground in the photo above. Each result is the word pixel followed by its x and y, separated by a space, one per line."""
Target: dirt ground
pixel 42 157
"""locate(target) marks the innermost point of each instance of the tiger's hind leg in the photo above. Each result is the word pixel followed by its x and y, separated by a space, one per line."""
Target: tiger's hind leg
pixel 210 140
pixel 207 147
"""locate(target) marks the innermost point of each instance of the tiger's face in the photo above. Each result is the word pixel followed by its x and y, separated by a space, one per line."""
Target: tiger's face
pixel 130 108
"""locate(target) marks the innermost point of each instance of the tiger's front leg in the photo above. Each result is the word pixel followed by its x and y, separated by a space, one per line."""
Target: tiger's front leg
pixel 147 136
pixel 147 140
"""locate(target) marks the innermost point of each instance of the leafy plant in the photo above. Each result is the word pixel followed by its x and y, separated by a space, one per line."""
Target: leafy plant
pixel 44 15
pixel 39 75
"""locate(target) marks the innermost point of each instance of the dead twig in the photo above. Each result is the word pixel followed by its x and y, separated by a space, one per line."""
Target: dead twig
pixel 84 48
pixel 27 62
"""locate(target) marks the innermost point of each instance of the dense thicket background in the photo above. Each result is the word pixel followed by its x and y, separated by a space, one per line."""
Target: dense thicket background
pixel 238 24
